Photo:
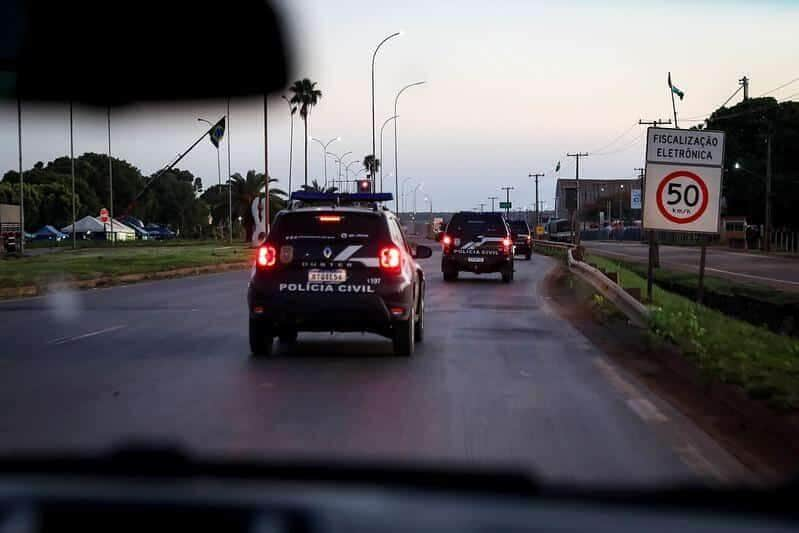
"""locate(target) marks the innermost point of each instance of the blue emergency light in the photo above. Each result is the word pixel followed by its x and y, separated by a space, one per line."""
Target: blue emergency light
pixel 341 197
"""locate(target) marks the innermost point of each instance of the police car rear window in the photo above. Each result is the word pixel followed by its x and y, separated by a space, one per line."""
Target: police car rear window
pixel 471 225
pixel 518 225
pixel 326 226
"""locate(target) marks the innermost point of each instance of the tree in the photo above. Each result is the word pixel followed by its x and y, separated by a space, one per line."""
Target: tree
pixel 306 96
pixel 316 187
pixel 371 164
pixel 245 190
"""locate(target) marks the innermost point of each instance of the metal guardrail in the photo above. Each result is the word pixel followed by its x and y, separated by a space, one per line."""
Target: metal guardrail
pixel 634 310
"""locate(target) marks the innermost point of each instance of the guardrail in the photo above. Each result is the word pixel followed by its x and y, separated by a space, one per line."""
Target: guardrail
pixel 634 310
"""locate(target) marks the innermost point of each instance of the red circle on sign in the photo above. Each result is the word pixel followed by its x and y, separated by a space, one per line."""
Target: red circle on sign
pixel 682 174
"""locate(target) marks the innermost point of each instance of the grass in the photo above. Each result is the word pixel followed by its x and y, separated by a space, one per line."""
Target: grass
pixel 763 363
pixel 93 263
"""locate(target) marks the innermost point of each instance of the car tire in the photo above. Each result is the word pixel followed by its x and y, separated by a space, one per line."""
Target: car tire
pixel 528 255
pixel 507 275
pixel 261 338
pixel 404 335
pixel 418 328
pixel 288 336
pixel 450 275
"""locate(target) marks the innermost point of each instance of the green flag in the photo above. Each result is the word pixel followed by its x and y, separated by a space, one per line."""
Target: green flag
pixel 676 90
pixel 557 167
pixel 217 132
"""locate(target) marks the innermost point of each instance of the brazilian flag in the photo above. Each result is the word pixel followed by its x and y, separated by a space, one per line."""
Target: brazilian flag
pixel 216 132
pixel 557 168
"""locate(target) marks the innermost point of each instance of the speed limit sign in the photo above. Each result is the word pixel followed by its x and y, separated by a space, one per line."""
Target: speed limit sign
pixel 683 180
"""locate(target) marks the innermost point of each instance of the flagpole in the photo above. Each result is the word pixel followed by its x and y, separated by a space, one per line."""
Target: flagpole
pixel 266 163
pixel 229 180
pixel 21 179
pixel 72 171
pixel 673 105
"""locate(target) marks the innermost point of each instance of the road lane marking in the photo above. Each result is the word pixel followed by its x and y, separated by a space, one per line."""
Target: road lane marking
pixel 645 409
pixel 698 463
pixel 64 340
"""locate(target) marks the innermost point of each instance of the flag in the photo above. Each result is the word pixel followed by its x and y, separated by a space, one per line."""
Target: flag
pixel 216 132
pixel 675 89
pixel 557 167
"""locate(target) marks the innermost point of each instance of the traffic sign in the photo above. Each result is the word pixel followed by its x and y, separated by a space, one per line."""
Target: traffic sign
pixel 539 230
pixel 505 205
pixel 683 180
pixel 635 199
pixel 104 218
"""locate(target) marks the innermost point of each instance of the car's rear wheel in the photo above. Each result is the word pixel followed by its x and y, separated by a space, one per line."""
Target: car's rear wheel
pixel 507 275
pixel 528 255
pixel 450 275
pixel 261 338
pixel 404 335
pixel 418 331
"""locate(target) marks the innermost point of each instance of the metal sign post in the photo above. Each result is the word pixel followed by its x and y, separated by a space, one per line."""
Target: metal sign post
pixel 682 192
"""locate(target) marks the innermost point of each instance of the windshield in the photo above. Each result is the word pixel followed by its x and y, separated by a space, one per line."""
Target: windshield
pixel 560 236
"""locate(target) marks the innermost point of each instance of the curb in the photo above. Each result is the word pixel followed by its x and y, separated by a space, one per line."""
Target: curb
pixel 28 291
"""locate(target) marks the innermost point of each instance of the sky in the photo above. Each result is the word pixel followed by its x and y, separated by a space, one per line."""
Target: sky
pixel 510 87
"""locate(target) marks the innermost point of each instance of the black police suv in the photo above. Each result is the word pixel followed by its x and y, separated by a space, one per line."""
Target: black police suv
pixel 337 262
pixel 479 243
pixel 521 237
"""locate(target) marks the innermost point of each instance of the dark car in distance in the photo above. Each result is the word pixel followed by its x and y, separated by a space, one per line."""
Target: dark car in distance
pixel 522 238
pixel 479 243
pixel 337 263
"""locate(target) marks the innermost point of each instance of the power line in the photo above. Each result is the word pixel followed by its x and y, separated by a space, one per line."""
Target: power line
pixel 623 148
pixel 625 132
pixel 780 87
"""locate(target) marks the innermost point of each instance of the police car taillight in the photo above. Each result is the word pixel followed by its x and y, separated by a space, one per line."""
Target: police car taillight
pixel 506 244
pixel 446 240
pixel 390 258
pixel 329 218
pixel 267 256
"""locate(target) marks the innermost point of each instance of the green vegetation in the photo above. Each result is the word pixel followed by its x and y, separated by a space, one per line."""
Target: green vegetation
pixel 117 261
pixel 756 304
pixel 764 364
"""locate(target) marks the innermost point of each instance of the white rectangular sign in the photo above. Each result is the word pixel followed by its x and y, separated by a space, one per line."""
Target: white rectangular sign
pixel 682 198
pixel 682 191
pixel 635 199
pixel 685 147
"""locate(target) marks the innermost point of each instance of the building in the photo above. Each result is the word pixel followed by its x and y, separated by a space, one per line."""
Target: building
pixel 611 196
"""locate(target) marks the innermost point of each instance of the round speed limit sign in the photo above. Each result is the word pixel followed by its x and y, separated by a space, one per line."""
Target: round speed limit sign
pixel 682 197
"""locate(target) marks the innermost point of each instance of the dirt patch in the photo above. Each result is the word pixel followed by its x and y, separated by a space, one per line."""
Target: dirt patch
pixel 764 440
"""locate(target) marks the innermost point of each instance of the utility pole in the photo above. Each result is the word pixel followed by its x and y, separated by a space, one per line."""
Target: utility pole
pixel 767 225
pixel 536 176
pixel 744 82
pixel 492 198
pixel 481 206
pixel 507 200
pixel 576 218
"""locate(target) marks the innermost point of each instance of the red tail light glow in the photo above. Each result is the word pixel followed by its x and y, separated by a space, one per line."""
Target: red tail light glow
pixel 390 258
pixel 506 242
pixel 267 256
pixel 446 240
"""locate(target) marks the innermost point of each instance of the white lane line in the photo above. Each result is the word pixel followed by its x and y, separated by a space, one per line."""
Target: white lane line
pixel 645 409
pixel 697 462
pixel 63 340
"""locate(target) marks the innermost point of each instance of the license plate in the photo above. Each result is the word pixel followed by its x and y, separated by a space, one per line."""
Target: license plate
pixel 475 260
pixel 327 276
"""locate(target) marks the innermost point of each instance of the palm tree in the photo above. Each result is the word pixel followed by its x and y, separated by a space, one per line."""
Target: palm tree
pixel 371 164
pixel 245 190
pixel 306 95
pixel 316 187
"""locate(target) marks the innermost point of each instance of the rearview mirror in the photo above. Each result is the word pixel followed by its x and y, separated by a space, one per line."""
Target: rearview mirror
pixel 423 252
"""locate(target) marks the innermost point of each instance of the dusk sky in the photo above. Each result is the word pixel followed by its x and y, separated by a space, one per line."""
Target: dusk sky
pixel 511 87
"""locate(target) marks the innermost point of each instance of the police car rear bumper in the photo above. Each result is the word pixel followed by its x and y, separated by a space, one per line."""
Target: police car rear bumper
pixel 522 248
pixel 373 313
pixel 490 263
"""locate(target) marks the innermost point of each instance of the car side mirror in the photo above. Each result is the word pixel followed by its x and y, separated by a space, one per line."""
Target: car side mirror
pixel 423 252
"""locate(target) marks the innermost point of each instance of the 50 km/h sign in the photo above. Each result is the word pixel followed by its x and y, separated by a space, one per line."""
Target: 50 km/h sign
pixel 683 180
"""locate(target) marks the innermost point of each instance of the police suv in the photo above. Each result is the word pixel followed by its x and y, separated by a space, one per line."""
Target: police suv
pixel 337 262
pixel 479 243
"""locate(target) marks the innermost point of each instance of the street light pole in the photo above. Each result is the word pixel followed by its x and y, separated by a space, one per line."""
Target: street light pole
pixel 292 111
pixel 374 55
pixel 324 151
pixel 404 181
pixel 492 198
pixel 396 165
pixel 347 168
pixel 381 148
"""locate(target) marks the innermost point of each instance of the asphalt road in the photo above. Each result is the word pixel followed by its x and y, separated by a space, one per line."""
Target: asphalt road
pixel 500 379
pixel 775 271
